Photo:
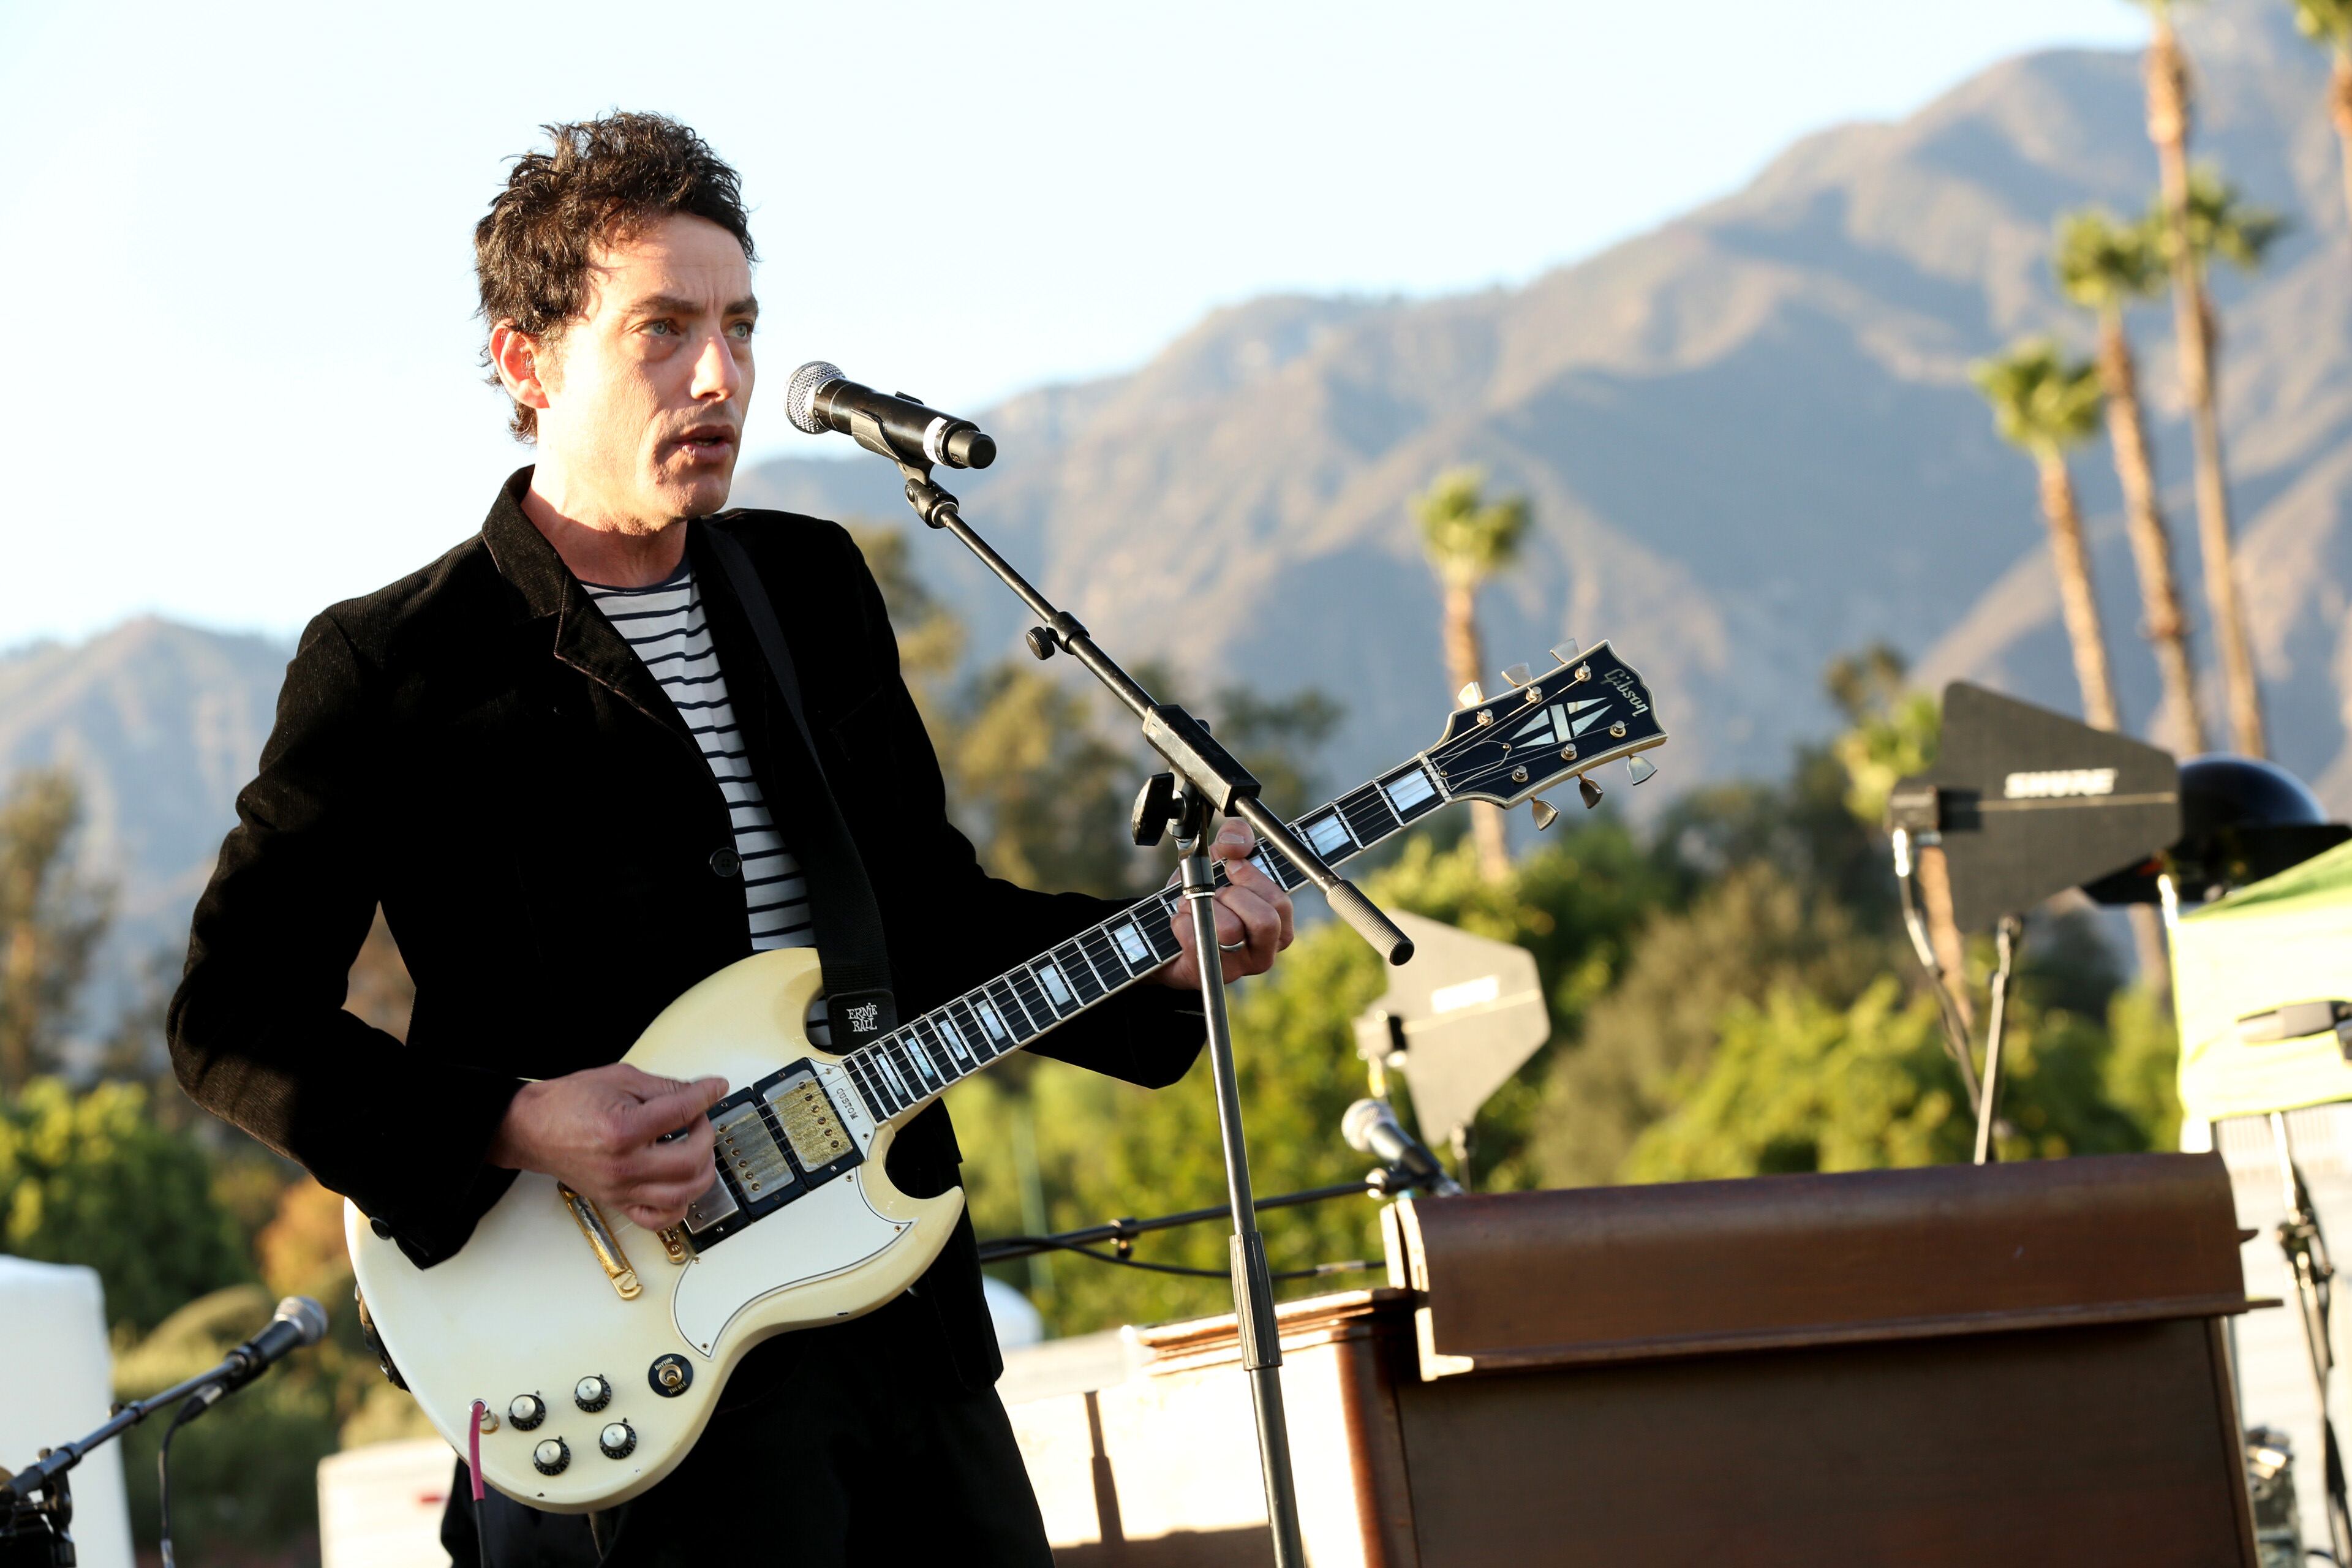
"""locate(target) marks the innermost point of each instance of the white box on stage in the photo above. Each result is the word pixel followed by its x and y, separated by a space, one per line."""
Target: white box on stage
pixel 61 1388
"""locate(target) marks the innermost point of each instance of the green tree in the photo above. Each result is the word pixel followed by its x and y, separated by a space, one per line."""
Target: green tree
pixel 2330 22
pixel 50 922
pixel 2105 265
pixel 2045 403
pixel 88 1178
pixel 1797 1084
pixel 1468 539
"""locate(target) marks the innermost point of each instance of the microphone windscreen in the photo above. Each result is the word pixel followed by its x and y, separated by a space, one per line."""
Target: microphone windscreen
pixel 309 1317
pixel 800 394
pixel 1356 1126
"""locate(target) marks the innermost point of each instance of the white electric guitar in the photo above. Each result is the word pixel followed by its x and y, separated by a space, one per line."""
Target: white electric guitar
pixel 598 1349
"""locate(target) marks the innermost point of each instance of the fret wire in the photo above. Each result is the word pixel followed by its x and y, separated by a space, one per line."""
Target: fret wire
pixel 1087 957
pixel 1079 975
pixel 1103 954
pixel 1010 1009
pixel 999 1034
pixel 903 1052
pixel 1024 986
pixel 968 1029
pixel 933 1057
pixel 941 1057
pixel 881 1082
pixel 1038 968
pixel 856 1070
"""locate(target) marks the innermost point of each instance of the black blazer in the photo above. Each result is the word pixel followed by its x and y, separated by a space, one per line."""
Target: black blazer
pixel 476 748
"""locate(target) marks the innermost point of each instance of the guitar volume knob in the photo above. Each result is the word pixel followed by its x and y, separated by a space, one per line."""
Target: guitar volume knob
pixel 591 1392
pixel 617 1440
pixel 551 1457
pixel 526 1411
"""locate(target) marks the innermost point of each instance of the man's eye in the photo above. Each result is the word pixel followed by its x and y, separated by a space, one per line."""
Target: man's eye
pixel 742 329
pixel 662 329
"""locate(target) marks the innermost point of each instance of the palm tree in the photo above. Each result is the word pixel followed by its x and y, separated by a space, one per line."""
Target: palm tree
pixel 1468 539
pixel 2330 21
pixel 2168 127
pixel 2046 403
pixel 2215 221
pixel 2103 264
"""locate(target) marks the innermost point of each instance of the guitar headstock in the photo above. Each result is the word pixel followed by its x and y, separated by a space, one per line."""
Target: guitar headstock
pixel 1589 709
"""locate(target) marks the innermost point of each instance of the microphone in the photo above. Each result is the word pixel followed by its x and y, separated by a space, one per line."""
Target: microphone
pixel 299 1321
pixel 820 398
pixel 1371 1127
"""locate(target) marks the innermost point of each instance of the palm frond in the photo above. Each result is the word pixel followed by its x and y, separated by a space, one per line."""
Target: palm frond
pixel 2042 399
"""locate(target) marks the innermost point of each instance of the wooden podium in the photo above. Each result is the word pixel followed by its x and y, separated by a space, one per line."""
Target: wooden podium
pixel 2013 1365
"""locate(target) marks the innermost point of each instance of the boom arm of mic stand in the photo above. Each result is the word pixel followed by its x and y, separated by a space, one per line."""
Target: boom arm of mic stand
pixel 1203 766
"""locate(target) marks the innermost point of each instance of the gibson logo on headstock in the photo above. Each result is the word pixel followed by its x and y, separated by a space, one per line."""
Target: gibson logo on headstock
pixel 1622 679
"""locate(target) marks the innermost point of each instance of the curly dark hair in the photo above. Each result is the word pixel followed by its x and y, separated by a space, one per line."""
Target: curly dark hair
pixel 603 179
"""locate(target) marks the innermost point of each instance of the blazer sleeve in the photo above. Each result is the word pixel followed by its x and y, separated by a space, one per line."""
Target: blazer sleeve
pixel 258 1029
pixel 1149 1035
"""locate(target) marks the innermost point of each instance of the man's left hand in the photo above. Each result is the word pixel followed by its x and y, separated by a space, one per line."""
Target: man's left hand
pixel 1252 910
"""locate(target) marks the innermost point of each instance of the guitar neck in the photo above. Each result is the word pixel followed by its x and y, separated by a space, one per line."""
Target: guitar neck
pixel 923 1057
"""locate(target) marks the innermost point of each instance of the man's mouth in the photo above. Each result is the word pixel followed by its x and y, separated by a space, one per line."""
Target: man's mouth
pixel 708 443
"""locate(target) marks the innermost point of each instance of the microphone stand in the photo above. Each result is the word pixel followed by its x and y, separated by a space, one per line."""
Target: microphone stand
pixel 1211 784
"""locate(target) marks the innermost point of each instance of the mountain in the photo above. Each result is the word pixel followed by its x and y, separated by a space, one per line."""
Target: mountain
pixel 1748 436
pixel 162 724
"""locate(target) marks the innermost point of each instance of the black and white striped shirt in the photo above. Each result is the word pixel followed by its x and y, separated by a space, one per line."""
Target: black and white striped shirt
pixel 666 625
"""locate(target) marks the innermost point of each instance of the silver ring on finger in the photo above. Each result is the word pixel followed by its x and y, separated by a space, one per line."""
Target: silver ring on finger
pixel 1233 946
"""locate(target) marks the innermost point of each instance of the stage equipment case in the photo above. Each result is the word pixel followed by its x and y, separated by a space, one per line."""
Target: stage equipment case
pixel 2016 1365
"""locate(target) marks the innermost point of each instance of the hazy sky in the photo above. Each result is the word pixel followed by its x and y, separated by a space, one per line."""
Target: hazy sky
pixel 243 231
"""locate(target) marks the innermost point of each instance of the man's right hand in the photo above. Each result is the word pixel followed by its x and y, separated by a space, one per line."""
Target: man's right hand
pixel 599 1132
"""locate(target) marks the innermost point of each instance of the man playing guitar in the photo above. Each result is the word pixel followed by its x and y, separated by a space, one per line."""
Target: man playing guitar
pixel 559 761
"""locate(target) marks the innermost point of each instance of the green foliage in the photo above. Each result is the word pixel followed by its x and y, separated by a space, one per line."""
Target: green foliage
pixel 2042 399
pixel 2222 222
pixel 1891 732
pixel 1747 937
pixel 50 922
pixel 2328 21
pixel 2103 263
pixel 90 1179
pixel 1800 1084
pixel 1468 538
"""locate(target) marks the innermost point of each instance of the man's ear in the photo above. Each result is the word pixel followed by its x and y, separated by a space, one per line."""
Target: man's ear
pixel 525 364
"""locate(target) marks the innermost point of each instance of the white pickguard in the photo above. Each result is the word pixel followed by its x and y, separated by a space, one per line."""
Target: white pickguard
pixel 829 1230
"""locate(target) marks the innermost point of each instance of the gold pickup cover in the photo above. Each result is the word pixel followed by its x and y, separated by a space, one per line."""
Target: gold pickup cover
pixel 809 1122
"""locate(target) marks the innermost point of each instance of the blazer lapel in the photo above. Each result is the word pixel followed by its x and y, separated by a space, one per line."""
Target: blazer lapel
pixel 583 637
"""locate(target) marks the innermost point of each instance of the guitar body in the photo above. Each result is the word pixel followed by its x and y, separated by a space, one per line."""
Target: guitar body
pixel 528 1308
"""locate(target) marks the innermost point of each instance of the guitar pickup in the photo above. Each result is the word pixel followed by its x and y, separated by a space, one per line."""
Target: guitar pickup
pixel 750 1151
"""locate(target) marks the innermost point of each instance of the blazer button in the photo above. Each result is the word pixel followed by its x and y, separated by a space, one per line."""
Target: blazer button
pixel 724 863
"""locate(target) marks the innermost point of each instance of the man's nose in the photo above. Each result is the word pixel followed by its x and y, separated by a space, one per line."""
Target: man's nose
pixel 716 373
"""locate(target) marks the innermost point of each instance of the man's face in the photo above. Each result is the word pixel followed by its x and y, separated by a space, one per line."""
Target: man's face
pixel 646 392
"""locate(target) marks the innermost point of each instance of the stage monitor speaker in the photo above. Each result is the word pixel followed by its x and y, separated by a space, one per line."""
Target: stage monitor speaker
pixel 2030 803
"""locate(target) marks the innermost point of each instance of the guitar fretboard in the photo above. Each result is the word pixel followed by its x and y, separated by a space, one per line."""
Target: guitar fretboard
pixel 925 1056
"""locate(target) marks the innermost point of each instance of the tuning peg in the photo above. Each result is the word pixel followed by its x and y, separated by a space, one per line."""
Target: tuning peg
pixel 1543 812
pixel 1642 768
pixel 1519 675
pixel 1589 791
pixel 1564 653
pixel 1470 694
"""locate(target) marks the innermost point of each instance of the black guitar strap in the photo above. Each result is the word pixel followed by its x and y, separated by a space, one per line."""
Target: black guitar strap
pixel 858 997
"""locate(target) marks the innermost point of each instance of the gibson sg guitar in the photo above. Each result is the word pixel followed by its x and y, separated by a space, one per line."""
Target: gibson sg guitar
pixel 598 1349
